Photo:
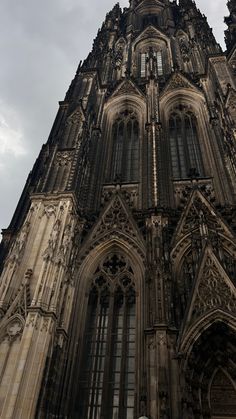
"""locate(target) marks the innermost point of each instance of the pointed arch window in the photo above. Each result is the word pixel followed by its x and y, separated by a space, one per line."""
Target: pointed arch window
pixel 158 60
pixel 154 20
pixel 125 148
pixel 107 381
pixel 184 145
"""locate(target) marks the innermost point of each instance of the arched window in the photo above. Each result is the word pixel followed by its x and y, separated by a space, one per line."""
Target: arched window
pixel 125 148
pixel 154 20
pixel 184 145
pixel 107 382
pixel 210 371
pixel 157 58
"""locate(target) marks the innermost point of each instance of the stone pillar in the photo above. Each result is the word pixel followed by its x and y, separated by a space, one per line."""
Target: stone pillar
pixel 44 244
pixel 22 396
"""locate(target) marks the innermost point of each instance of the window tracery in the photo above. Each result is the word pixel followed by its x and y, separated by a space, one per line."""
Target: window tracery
pixel 210 372
pixel 155 59
pixel 125 148
pixel 184 144
pixel 107 381
pixel 154 20
pixel 213 291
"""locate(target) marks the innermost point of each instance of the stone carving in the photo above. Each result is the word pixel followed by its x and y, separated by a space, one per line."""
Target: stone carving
pixel 115 219
pixel 118 53
pixel 76 117
pixel 20 243
pixel 45 325
pixel 48 253
pixel 199 214
pixel 65 244
pixel 20 300
pixel 197 210
pixel 126 88
pixel 32 320
pixel 150 32
pixel 178 82
pixel 152 344
pixel 66 241
pixel 14 328
pixel 231 104
pixel 129 194
pixel 50 210
pixel 213 291
pixel 114 272
pixel 161 339
pixel 184 49
pixel 182 190
pixel 220 59
pixel 55 233
pixel 34 207
pixel 53 241
pixel 64 158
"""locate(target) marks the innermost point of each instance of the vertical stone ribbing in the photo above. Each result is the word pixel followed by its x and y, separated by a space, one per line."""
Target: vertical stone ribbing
pixel 153 63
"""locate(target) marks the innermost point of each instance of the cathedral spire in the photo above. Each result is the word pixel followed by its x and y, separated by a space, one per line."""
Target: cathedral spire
pixel 118 268
pixel 230 33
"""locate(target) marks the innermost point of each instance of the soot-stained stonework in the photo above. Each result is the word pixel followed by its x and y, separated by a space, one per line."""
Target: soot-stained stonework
pixel 118 269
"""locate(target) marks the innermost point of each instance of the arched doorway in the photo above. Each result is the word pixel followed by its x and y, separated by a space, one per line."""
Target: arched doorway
pixel 210 374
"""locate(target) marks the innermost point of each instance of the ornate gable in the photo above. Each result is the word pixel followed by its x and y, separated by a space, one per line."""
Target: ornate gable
pixel 127 87
pixel 178 81
pixel 115 222
pixel 212 290
pixel 151 32
pixel 199 210
pixel 20 302
pixel 77 115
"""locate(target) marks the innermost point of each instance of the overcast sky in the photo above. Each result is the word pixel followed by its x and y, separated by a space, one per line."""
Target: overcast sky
pixel 41 45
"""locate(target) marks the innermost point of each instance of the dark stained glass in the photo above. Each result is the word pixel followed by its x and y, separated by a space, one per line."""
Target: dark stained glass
pixel 125 153
pixel 107 384
pixel 184 145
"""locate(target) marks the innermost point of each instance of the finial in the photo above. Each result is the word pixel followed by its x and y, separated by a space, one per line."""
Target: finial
pixel 230 33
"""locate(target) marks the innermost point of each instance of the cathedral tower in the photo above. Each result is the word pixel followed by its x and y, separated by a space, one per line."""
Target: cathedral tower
pixel 118 280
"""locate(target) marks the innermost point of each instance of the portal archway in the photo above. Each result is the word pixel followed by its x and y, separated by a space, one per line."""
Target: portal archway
pixel 210 373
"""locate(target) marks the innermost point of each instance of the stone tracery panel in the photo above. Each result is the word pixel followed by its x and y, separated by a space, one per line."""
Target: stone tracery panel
pixel 107 379
pixel 210 372
pixel 124 162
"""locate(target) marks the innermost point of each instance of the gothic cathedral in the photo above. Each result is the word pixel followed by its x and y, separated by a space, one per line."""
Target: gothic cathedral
pixel 118 279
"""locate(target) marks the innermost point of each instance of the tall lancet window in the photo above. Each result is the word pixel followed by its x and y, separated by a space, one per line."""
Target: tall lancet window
pixel 125 148
pixel 184 145
pixel 107 382
pixel 157 57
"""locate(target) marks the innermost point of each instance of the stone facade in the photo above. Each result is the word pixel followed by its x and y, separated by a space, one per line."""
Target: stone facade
pixel 118 270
